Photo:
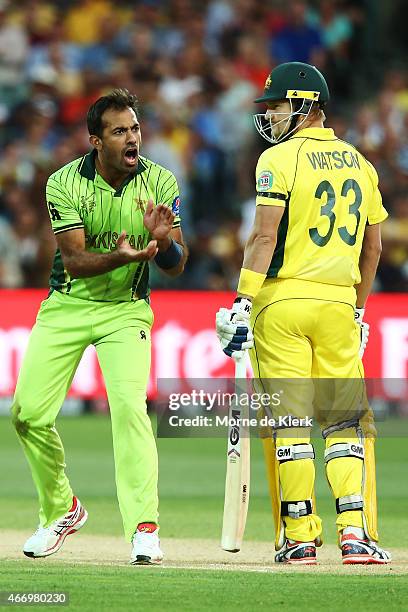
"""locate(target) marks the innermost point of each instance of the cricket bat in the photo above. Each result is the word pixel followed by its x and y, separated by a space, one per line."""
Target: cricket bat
pixel 238 468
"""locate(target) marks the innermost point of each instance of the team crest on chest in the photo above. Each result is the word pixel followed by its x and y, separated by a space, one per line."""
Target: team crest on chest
pixel 87 204
pixel 140 205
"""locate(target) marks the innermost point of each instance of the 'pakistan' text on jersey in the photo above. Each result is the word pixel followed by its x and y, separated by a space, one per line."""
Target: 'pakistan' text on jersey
pixel 330 192
pixel 78 197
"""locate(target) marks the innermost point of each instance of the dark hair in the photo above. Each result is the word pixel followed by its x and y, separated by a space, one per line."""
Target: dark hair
pixel 119 99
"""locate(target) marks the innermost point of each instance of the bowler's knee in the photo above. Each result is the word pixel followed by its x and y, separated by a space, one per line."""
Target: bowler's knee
pixel 19 424
pixel 25 414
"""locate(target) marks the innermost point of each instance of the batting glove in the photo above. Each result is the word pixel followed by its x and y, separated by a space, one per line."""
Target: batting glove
pixel 233 328
pixel 364 329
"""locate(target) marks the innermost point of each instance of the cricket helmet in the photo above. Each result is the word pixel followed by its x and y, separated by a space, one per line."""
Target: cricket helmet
pixel 302 85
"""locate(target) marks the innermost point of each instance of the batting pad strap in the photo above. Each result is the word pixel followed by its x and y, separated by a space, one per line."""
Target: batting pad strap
pixel 250 282
pixel 293 452
pixel 296 509
pixel 349 502
pixel 344 449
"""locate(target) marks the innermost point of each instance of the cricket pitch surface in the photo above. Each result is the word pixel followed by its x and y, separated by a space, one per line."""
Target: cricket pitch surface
pixel 197 554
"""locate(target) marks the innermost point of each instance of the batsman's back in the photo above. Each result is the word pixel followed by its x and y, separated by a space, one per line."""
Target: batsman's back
pixel 330 192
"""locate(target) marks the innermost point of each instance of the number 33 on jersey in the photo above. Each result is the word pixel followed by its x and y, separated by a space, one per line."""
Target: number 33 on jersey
pixel 330 192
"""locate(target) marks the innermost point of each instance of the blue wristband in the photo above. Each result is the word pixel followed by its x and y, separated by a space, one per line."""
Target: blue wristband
pixel 170 258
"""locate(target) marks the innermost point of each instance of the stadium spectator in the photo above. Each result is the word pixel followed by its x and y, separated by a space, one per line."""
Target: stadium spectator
pixel 10 270
pixel 197 67
pixel 89 12
pixel 14 48
pixel 393 273
pixel 298 40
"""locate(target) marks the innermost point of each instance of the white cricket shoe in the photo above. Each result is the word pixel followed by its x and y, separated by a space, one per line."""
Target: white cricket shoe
pixel 146 545
pixel 48 540
pixel 297 553
pixel 357 549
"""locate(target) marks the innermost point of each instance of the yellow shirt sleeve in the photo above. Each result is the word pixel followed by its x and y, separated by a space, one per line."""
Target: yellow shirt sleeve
pixel 376 210
pixel 271 183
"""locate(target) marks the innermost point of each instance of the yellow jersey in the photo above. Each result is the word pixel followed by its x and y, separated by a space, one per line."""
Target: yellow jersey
pixel 330 192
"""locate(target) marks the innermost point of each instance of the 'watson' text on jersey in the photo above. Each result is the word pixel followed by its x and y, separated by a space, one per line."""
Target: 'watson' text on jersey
pixel 78 197
pixel 330 192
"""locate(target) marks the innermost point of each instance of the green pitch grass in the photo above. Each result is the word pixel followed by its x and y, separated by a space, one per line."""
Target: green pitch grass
pixel 192 474
pixel 154 589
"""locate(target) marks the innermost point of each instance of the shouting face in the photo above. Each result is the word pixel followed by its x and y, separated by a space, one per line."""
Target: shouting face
pixel 118 148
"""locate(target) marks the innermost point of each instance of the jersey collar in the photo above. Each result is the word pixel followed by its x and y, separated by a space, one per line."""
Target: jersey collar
pixel 316 133
pixel 87 167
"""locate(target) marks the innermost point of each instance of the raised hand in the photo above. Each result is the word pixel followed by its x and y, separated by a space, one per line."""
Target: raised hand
pixel 158 220
pixel 130 254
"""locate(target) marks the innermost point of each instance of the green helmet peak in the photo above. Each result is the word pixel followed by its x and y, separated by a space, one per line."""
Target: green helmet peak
pixel 295 80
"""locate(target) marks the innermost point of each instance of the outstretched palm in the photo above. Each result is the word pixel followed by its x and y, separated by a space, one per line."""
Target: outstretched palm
pixel 158 220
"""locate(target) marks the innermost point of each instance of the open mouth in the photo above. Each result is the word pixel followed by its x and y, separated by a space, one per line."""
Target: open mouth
pixel 131 156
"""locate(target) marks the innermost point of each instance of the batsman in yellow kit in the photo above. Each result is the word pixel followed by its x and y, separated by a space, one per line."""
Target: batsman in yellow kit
pixel 308 268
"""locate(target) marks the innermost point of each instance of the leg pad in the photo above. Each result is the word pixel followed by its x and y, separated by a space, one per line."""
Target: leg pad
pixel 294 452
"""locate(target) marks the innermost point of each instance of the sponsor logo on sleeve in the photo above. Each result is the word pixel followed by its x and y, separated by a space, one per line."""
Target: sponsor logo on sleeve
pixel 175 207
pixel 265 180
pixel 54 214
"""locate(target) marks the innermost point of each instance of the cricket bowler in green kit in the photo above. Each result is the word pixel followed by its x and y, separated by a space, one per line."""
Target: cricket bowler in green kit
pixel 112 212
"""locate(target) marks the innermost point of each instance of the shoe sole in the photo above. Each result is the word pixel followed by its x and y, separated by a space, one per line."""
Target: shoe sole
pixel 83 517
pixel 303 562
pixel 364 560
pixel 145 560
pixel 298 562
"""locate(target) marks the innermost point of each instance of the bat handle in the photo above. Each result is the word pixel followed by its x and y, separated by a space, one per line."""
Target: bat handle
pixel 240 365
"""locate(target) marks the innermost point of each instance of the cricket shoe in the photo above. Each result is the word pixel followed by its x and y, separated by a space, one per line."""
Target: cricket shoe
pixel 48 540
pixel 297 553
pixel 357 550
pixel 146 545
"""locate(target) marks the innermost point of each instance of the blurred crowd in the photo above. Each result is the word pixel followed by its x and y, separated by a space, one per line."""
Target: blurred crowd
pixel 196 67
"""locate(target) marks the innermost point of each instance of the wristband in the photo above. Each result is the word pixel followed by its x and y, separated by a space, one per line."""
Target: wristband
pixel 250 282
pixel 170 258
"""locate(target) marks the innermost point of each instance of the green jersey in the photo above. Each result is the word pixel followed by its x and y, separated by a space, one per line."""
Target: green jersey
pixel 78 197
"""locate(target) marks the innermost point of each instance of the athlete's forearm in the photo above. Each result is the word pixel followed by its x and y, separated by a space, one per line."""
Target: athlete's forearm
pixel 257 258
pixel 163 244
pixel 85 264
pixel 369 258
pixel 258 252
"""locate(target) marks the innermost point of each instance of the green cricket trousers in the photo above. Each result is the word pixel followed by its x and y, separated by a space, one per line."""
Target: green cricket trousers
pixel 120 332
